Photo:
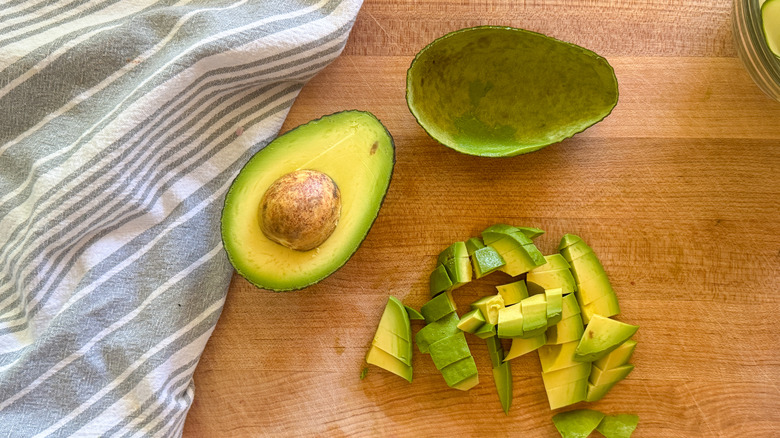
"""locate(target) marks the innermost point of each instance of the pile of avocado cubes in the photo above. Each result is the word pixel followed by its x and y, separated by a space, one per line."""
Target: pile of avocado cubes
pixel 546 308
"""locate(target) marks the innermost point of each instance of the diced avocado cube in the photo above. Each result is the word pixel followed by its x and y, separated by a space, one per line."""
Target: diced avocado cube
pixel 617 357
pixel 413 313
pixel 518 261
pixel 575 251
pixel 521 346
pixel 535 254
pixel 513 293
pixel 597 392
pixel 486 331
pixel 569 306
pixel 474 244
pixel 395 319
pixel 567 375
pixel 593 290
pixel 577 424
pixel 602 336
pixel 459 271
pixel 554 298
pixel 439 280
pixel 600 377
pixel 449 350
pixel 605 306
pixel 510 322
pixel 568 330
pixel 568 240
pixel 505 242
pixel 497 232
pixel 438 307
pixel 459 371
pixel 555 357
pixel 467 384
pixel 436 331
pixel 456 250
pixel 394 345
pixel 495 351
pixel 531 232
pixel 555 262
pixel 586 267
pixel 382 359
pixel 471 321
pixel 489 306
pixel 618 426
pixel 502 376
pixel 568 394
pixel 486 260
pixel 534 313
pixel 560 278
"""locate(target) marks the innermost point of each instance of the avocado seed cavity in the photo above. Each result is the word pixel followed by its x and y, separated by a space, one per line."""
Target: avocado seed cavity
pixel 300 210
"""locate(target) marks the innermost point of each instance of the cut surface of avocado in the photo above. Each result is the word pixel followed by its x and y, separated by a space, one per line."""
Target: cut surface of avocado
pixel 459 372
pixel 568 394
pixel 568 330
pixel 456 250
pixel 395 319
pixel 569 306
pixel 439 280
pixel 519 261
pixel 474 244
pixel 355 151
pixel 510 322
pixel 617 357
pixel 618 426
pixel 600 377
pixel 531 232
pixel 468 383
pixel 436 331
pixel 394 345
pixel 489 306
pixel 534 314
pixel 502 376
pixel 521 346
pixel 597 392
pixel 495 351
pixel 382 359
pixel 594 289
pixel 567 375
pixel 471 321
pixel 554 299
pixel 605 306
pixel 586 267
pixel 438 307
pixel 770 19
pixel 449 350
pixel 555 357
pixel 578 423
pixel 560 278
pixel 498 231
pixel 513 293
pixel 459 271
pixel 414 314
pixel 485 261
pixel 486 331
pixel 554 262
pixel 602 336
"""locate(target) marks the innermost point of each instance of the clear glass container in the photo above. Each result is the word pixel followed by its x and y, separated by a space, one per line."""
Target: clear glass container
pixel 762 65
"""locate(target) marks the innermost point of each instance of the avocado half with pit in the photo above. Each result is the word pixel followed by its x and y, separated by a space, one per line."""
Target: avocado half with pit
pixel 302 205
pixel 500 91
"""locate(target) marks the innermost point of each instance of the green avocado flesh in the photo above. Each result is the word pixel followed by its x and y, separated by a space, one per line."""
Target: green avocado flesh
pixel 521 346
pixel 355 150
pixel 391 348
pixel 486 260
pixel 414 314
pixel 489 306
pixel 556 357
pixel 564 376
pixel 502 372
pixel 601 337
pixel 568 330
pixel 471 321
pixel 435 331
pixel 618 426
pixel 498 91
pixel 513 293
pixel 438 307
pixel 439 281
pixel 449 350
pixel 617 357
pixel 578 423
pixel 770 17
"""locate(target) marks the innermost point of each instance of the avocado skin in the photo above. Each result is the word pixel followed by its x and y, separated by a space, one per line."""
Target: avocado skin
pixel 308 283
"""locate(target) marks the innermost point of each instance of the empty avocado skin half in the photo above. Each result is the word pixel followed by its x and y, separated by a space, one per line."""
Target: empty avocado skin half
pixel 499 91
pixel 356 151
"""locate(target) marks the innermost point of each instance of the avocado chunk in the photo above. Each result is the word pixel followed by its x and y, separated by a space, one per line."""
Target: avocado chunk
pixel 599 377
pixel 457 263
pixel 394 345
pixel 597 392
pixel 414 314
pixel 618 426
pixel 568 330
pixel 435 331
pixel 578 423
pixel 474 244
pixel 457 250
pixel 486 331
pixel 534 315
pixel 531 232
pixel 555 262
pixel 568 394
pixel 602 336
pixel 489 306
pixel 502 373
pixel 521 346
pixel 355 152
pixel 513 293
pixel 594 289
pixel 495 351
pixel 617 357
pixel 552 275
pixel 510 322
pixel 555 357
pixel 567 375
pixel 394 333
pixel 449 350
pixel 554 299
pixel 485 261
pixel 517 250
pixel 438 307
pixel 376 356
pixel 439 281
pixel 464 370
pixel 471 321
pixel 569 306
pixel 605 306
pixel 521 260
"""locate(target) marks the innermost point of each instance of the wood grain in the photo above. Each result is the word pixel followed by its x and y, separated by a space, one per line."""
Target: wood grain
pixel 677 191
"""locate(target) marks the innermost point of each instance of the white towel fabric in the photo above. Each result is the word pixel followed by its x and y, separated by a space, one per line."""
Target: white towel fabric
pixel 122 125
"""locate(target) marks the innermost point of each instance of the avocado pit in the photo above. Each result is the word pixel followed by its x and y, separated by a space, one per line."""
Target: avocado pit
pixel 300 210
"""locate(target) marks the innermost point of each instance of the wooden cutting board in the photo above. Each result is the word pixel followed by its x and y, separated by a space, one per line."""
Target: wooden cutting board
pixel 678 193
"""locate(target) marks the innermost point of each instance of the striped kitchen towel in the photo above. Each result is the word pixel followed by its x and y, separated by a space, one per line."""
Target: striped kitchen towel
pixel 122 124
